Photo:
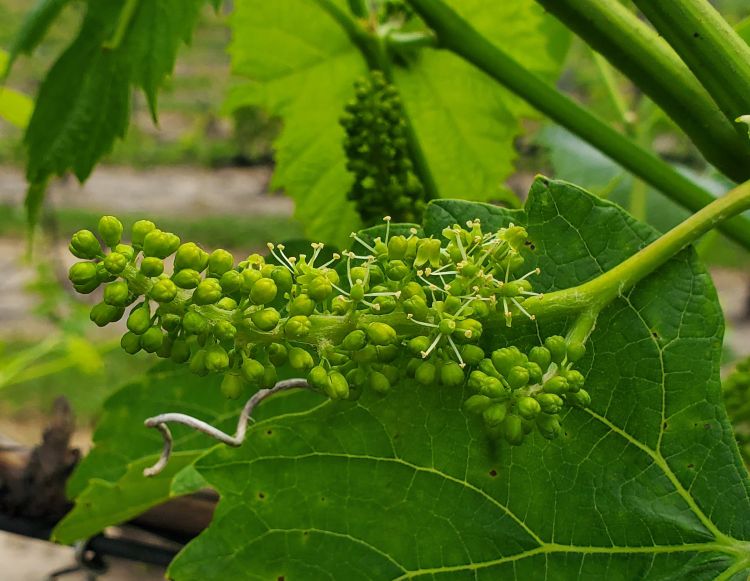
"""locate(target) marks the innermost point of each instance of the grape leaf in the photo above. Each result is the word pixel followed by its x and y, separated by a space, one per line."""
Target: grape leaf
pixel 109 486
pixel 647 484
pixel 302 65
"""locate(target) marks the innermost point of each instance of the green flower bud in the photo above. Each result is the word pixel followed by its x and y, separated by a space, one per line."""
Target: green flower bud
pixel 387 353
pixel 192 256
pixel 476 379
pixel 517 377
pixel 198 363
pixel 451 374
pixel 472 354
pixel 165 351
pixel 557 385
pixel 468 330
pixel 160 244
pixel 139 231
pixel 266 319
pixel 419 345
pixel 219 262
pixel 354 341
pixel 340 305
pixel 397 270
pixel 224 331
pixel 381 334
pixel 541 356
pixel 283 278
pixel 249 278
pixel 446 326
pixel 535 372
pixel 217 359
pixel 580 398
pixel 277 354
pixel 84 244
pixel 426 373
pixel 207 292
pixel 368 354
pixel 103 275
pixel 131 343
pixel 549 426
pixel 180 351
pixel 139 320
pixel 302 305
pixel 318 378
pixel 504 359
pixel 152 266
pixel 575 379
pixel 412 289
pixel 269 377
pixel 170 322
pixel 384 305
pixel 300 360
pixel 476 404
pixel 357 292
pixel 102 314
pixel 516 237
pixel 163 291
pixel 494 415
pixel 557 348
pixel 186 278
pixel 263 291
pixel 194 323
pixel 339 387
pixel 415 306
pixel 231 282
pixel 494 388
pixel 397 247
pixel 528 407
pixel 550 403
pixel 513 430
pixel 227 304
pixel 379 383
pixel 152 339
pixel 253 371
pixel 126 250
pixel 117 294
pixel 114 263
pixel 319 288
pixel 232 386
pixel 88 287
pixel 297 327
pixel 575 350
pixel 83 273
pixel 110 229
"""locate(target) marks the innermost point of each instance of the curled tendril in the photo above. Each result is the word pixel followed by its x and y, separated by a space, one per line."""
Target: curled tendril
pixel 160 423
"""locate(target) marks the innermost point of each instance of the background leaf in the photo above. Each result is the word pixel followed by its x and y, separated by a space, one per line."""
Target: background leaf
pixel 646 484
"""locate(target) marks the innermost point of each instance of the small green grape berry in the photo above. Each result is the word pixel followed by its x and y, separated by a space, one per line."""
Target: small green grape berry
pixel 266 319
pixel 190 255
pixel 152 266
pixel 186 278
pixel 198 363
pixel 557 348
pixel 152 339
pixel 576 350
pixel 541 356
pixel 194 323
pixel 300 360
pixel 513 430
pixel 253 371
pixel 548 425
pixel 580 398
pixel 110 229
pixel 494 415
pixel 180 351
pixel 263 291
pixel 219 262
pixel 115 262
pixel 550 403
pixel 472 354
pixel 224 331
pixel 557 385
pixel 339 387
pixel 528 408
pixel 83 273
pixel 84 244
pixel 232 385
pixel 102 314
pixel 139 231
pixel 451 374
pixel 318 378
pixel 277 354
pixel 517 377
pixel 231 282
pixel 297 327
pixel 354 341
pixel 319 288
pixel 227 304
pixel 379 383
pixel 217 359
pixel 207 292
pixel 283 278
pixel 381 334
pixel 131 343
pixel 426 373
pixel 476 404
pixel 126 250
pixel 163 291
pixel 302 305
pixel 139 320
pixel 117 294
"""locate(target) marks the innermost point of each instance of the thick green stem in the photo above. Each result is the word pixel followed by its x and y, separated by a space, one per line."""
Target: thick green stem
pixel 643 56
pixel 457 35
pixel 716 54
pixel 613 283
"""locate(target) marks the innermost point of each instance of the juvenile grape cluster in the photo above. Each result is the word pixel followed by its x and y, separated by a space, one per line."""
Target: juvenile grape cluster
pixel 377 154
pixel 401 306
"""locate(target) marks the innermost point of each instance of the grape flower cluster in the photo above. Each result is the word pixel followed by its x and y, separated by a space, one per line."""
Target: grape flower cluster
pixel 400 308
pixel 376 148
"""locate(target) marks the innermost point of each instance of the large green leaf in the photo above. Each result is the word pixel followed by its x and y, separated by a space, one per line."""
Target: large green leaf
pixel 647 484
pixel 302 65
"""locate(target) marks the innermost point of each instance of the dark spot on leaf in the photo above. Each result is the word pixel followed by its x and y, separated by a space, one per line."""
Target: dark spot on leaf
pixel 655 335
pixel 281 578
pixel 493 473
pixel 664 426
pixel 706 426
pixel 269 432
pixel 322 499
pixel 691 465
pixel 696 35
pixel 261 495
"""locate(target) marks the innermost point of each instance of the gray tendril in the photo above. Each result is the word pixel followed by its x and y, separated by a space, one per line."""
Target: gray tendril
pixel 160 423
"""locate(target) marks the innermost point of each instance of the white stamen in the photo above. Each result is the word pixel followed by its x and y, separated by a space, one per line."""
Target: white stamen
pixel 426 354
pixel 362 242
pixel 524 311
pixel 458 355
